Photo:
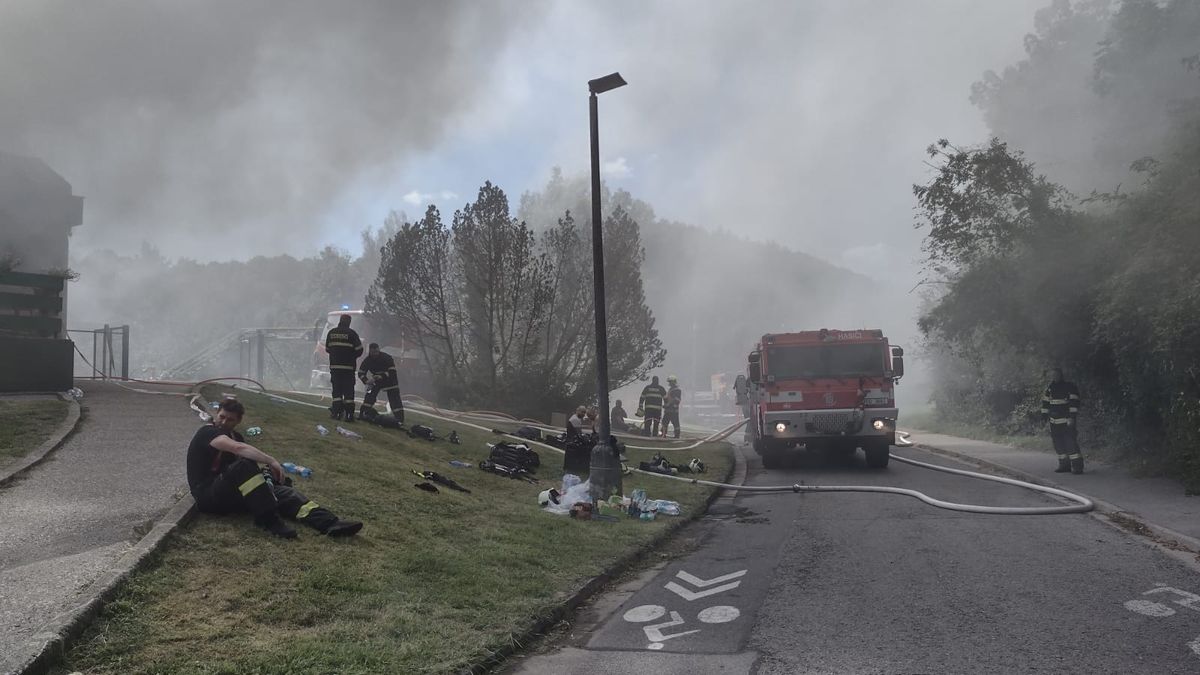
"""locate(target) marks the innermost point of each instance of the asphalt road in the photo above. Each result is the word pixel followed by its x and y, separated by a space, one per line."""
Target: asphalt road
pixel 866 583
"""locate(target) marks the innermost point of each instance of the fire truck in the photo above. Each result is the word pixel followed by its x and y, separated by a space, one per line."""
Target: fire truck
pixel 824 390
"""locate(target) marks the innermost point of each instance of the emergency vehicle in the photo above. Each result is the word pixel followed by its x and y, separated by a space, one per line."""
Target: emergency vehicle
pixel 824 390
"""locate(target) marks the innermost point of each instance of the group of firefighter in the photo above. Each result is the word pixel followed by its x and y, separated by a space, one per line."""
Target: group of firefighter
pixel 377 371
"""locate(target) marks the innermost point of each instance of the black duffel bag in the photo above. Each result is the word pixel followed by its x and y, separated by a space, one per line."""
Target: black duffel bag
pixel 515 454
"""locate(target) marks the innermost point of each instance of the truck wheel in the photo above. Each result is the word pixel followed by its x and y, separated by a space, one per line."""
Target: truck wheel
pixel 877 455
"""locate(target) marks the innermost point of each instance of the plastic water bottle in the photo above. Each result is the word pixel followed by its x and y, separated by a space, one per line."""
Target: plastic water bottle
pixel 322 430
pixel 302 471
pixel 254 431
pixel 461 464
pixel 347 433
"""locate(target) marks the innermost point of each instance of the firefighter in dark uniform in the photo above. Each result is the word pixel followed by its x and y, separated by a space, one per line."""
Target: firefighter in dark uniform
pixel 651 405
pixel 671 408
pixel 378 372
pixel 1060 407
pixel 344 347
pixel 225 477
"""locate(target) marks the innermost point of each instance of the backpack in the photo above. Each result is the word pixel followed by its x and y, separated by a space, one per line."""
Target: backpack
pixel 531 433
pixel 515 455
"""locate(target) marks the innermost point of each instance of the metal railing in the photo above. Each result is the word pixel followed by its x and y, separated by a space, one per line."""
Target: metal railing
pixel 109 352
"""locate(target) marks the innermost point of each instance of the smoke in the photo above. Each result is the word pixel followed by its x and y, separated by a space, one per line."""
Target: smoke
pixel 233 126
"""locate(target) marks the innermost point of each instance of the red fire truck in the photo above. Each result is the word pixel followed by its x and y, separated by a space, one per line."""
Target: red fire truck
pixel 825 390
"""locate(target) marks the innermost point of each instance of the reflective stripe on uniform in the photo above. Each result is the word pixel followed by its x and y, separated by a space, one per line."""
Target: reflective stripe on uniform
pixel 390 388
pixel 1060 420
pixel 1062 456
pixel 252 483
pixel 339 343
pixel 1056 401
pixel 1077 456
pixel 306 509
pixel 351 368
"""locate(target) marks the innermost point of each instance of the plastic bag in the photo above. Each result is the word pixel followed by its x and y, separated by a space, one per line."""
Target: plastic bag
pixel 578 492
pixel 664 507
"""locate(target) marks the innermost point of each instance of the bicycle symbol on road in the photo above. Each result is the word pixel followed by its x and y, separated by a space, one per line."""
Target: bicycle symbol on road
pixel 656 636
pixel 1158 610
pixel 716 614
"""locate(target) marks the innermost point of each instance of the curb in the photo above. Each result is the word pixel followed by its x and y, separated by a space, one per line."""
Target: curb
pixel 1102 506
pixel 46 648
pixel 597 583
pixel 60 436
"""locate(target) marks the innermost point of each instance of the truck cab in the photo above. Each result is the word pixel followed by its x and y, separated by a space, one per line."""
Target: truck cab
pixel 824 390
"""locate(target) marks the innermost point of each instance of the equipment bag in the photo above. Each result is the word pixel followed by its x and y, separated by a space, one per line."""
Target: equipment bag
pixel 515 454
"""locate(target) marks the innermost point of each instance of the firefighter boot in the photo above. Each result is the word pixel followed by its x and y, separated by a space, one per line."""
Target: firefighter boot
pixel 1077 464
pixel 335 410
pixel 348 411
pixel 1064 464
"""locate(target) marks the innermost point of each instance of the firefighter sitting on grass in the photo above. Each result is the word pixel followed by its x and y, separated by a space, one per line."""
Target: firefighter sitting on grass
pixel 225 477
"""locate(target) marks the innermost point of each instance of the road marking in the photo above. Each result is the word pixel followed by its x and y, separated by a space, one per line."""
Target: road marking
pixel 1191 601
pixel 718 614
pixel 697 581
pixel 644 613
pixel 657 637
pixel 696 595
pixel 1148 608
pixel 691 595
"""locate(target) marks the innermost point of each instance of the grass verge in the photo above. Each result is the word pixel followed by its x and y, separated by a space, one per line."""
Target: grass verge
pixel 26 424
pixel 435 582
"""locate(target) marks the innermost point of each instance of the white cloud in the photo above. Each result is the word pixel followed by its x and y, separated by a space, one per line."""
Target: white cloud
pixel 616 168
pixel 415 198
pixel 447 195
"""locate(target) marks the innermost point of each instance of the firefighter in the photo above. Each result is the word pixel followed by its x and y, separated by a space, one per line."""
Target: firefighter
pixel 378 372
pixel 225 477
pixel 344 347
pixel 671 408
pixel 616 420
pixel 741 388
pixel 651 405
pixel 1060 407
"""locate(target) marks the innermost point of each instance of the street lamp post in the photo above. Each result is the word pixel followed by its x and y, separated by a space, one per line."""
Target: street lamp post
pixel 605 471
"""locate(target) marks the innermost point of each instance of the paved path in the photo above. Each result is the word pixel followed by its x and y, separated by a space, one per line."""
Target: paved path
pixel 71 517
pixel 869 583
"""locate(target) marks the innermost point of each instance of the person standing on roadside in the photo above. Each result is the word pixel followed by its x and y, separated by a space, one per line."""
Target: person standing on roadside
pixel 1060 407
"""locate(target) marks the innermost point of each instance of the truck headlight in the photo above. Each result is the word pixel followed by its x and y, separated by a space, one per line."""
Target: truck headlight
pixel 879 425
pixel 781 427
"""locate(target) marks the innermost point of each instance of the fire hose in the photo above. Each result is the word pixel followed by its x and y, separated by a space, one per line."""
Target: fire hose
pixel 1081 504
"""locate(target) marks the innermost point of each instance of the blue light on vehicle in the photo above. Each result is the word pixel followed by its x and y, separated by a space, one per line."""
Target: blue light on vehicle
pixel 345 307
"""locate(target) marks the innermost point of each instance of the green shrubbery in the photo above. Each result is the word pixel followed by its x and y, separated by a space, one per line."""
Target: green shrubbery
pixel 1107 287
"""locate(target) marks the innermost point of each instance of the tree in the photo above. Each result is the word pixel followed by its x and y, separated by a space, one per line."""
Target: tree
pixel 503 315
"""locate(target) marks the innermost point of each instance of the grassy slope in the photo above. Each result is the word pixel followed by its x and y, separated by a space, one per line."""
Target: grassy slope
pixel 434 582
pixel 25 425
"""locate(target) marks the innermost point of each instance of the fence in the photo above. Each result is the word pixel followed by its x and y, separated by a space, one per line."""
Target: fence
pixel 109 352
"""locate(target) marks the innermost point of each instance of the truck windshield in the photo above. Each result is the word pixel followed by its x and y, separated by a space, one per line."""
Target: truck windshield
pixel 836 360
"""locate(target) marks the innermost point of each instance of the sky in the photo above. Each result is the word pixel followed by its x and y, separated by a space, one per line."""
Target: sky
pixel 222 129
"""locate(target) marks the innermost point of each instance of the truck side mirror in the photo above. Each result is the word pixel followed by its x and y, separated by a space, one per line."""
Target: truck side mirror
pixel 755 372
pixel 898 366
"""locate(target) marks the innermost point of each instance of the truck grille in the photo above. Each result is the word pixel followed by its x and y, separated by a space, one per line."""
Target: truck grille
pixel 835 422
